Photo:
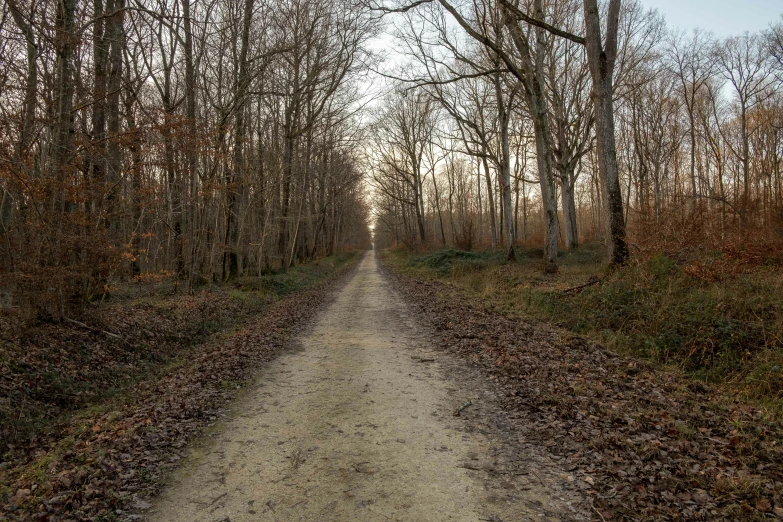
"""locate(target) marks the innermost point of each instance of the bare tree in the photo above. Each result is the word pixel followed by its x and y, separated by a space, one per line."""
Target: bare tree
pixel 746 67
pixel 402 134
pixel 572 115
pixel 691 62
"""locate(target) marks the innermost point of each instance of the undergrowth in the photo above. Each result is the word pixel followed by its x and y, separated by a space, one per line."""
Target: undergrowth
pixel 452 262
pixel 50 370
pixel 717 315
pixel 281 282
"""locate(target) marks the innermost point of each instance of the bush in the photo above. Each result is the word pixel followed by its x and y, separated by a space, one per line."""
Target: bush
pixel 446 262
pixel 715 330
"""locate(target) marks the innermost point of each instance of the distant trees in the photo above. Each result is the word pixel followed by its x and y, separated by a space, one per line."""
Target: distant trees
pixel 208 139
pixel 204 139
pixel 622 125
pixel 744 64
pixel 402 135
pixel 693 69
pixel 518 40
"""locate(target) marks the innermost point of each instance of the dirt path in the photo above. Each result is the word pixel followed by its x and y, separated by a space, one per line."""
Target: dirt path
pixel 357 425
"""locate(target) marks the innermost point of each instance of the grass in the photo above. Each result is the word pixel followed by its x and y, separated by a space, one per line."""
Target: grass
pixel 717 318
pixel 281 282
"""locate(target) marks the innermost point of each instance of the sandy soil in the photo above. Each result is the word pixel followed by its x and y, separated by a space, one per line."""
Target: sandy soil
pixel 357 423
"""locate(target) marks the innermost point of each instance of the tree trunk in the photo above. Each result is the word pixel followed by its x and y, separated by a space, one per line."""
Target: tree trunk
pixel 493 228
pixel 569 209
pixel 745 160
pixel 99 57
pixel 419 211
pixel 504 116
pixel 533 82
pixel 437 207
pixel 236 174
pixel 694 189
pixel 65 41
pixel 115 33
pixel 188 200
pixel 602 61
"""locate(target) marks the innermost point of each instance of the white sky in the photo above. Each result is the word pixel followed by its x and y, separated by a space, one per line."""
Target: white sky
pixel 723 17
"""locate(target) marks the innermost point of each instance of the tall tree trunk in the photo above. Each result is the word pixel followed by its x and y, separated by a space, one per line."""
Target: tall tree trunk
pixel 288 172
pixel 115 33
pixel 437 207
pixel 694 189
pixel 99 58
pixel 745 160
pixel 533 83
pixel 504 117
pixel 493 228
pixel 419 211
pixel 190 180
pixel 134 145
pixel 236 174
pixel 601 60
pixel 480 203
pixel 65 41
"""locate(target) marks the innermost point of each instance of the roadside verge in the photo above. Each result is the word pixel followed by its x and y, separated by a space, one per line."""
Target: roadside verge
pixel 644 444
pixel 106 461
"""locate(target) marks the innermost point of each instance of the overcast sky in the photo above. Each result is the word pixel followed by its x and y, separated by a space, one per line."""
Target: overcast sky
pixel 723 17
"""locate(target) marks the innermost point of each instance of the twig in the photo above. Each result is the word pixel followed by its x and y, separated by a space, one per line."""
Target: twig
pixel 462 407
pixel 581 287
pixel 218 498
pixel 404 9
pixel 597 512
pixel 717 441
pixel 359 467
pixel 77 323
pixel 493 470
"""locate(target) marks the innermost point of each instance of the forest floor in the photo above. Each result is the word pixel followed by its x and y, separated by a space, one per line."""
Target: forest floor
pixel 387 393
pixel 642 440
pixel 94 410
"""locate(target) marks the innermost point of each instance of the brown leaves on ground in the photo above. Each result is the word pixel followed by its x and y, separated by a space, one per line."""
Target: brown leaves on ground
pixel 103 467
pixel 642 444
pixel 53 368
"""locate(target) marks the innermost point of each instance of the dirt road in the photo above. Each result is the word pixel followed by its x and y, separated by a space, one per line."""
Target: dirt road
pixel 357 424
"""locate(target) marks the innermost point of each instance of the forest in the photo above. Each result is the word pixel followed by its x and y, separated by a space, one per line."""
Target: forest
pixel 493 134
pixel 190 140
pixel 388 259
pixel 592 137
pixel 147 141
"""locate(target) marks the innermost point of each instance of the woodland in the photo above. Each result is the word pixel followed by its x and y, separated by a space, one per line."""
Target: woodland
pixel 191 140
pixel 494 135
pixel 211 140
pixel 171 169
pixel 641 162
